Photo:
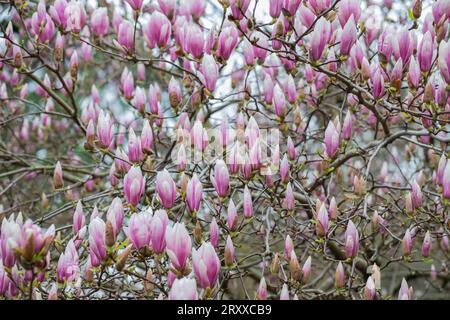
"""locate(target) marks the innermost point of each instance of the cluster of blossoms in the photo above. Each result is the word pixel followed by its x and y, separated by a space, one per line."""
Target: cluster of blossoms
pixel 220 149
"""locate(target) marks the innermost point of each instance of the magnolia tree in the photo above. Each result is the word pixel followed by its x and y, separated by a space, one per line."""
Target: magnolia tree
pixel 195 149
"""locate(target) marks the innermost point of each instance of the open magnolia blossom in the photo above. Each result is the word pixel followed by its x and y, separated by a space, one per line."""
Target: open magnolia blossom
pixel 224 149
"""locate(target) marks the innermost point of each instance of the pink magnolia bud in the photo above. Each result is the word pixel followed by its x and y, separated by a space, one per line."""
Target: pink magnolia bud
pixel 127 84
pixel 97 242
pixel 288 247
pixel 414 75
pixel 405 292
pixel 407 243
pixel 166 189
pixel 136 5
pixel 231 216
pixel 78 218
pixel 115 215
pixel 426 245
pixel 239 8
pixel 194 41
pixel 210 72
pixel 284 295
pixel 347 127
pixel 261 293
pixel 139 229
pixel 275 7
pixel 425 52
pixel 206 265
pixel 198 136
pixel 227 41
pixel 100 21
pixel 322 221
pixel 351 237
pixel 416 195
pixel 369 289
pixel 307 16
pixel 194 194
pixel 279 101
pixel 248 203
pixel 158 227
pixel 347 9
pixel 291 151
pixel 76 16
pixel 331 140
pixel 158 30
pixel 139 99
pixel 178 245
pixel 167 7
pixel 284 170
pixel 348 37
pixel 135 153
pixel 441 168
pixel 446 181
pixel 146 137
pixel 268 90
pixel 333 209
pixel 10 236
pixel 377 82
pixel 444 60
pixel 247 50
pixel 340 276
pixel 58 13
pixel 67 267
pixel 105 130
pixel 291 6
pixel 289 201
pixel 319 38
pixel 174 93
pixel 404 45
pixel 221 178
pixel 58 181
pixel 184 288
pixel 306 270
pixel 229 254
pixel 134 185
pixel 214 232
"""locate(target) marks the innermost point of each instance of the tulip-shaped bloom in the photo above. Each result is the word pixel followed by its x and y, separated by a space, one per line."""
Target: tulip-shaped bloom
pixel 407 243
pixel 214 233
pixel 178 245
pixel 78 218
pixel 67 268
pixel 441 169
pixel 146 137
pixel 210 72
pixel 248 203
pixel 322 221
pixel 139 99
pixel 105 129
pixel 306 270
pixel 229 254
pixel 239 8
pixel 425 52
pixel 100 21
pixel 351 238
pixel 284 295
pixel 444 60
pixel 134 185
pixel 231 216
pixel 135 153
pixel 194 41
pixel 183 289
pixel 158 30
pixel 288 247
pixel 9 240
pixel 339 276
pixel 405 292
pixel 319 38
pixel 289 201
pixel 426 245
pixel 76 16
pixel 377 82
pixel 446 181
pixel 347 127
pixel 221 178
pixel 58 181
pixel 194 194
pixel 284 170
pixel 348 37
pixel 331 140
pixel 198 136
pixel 158 231
pixel 125 35
pixel 174 93
pixel 369 289
pixel 139 229
pixel 166 189
pixel 414 75
pixel 348 8
pixel 136 5
pixel 416 195
pixel 206 265
pixel 275 7
pixel 279 101
pixel 115 215
pixel 227 42
pixel 291 151
pixel 261 293
pixel 333 209
pixel 97 241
